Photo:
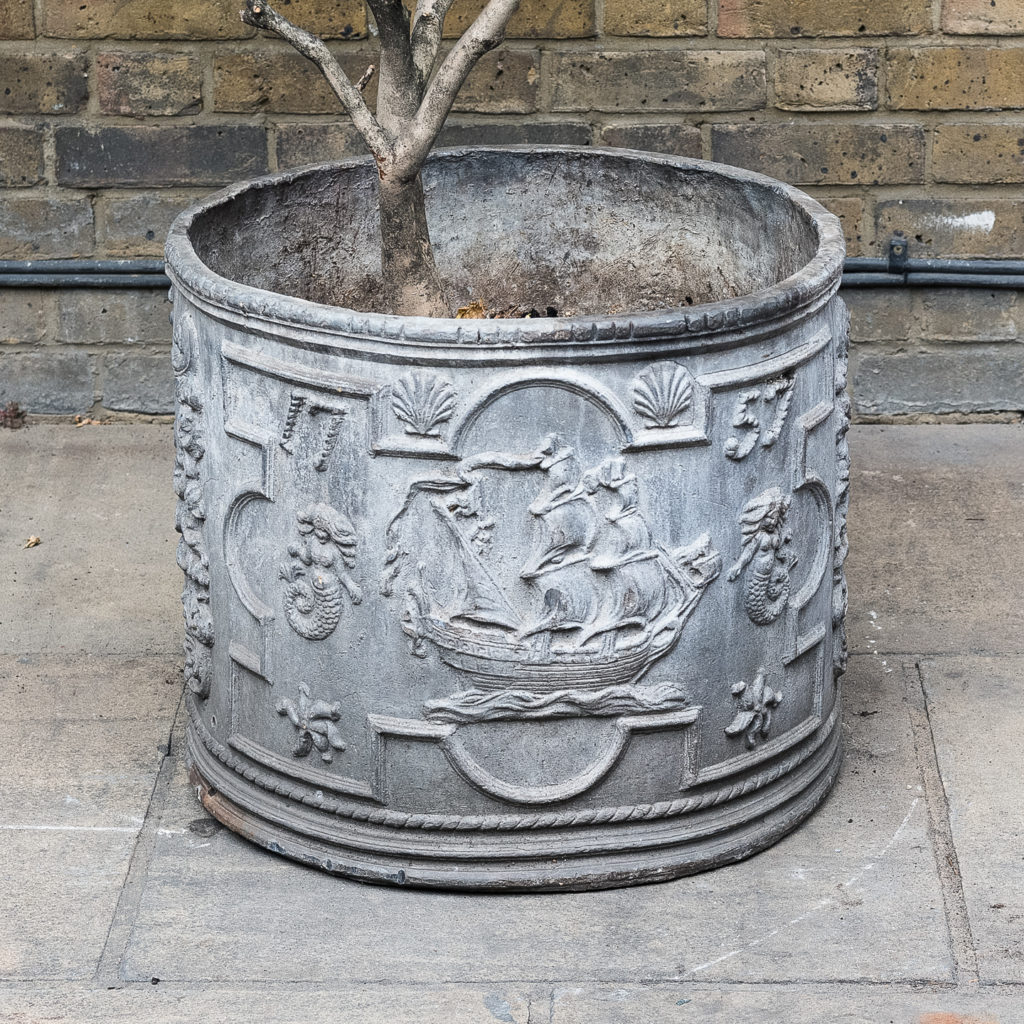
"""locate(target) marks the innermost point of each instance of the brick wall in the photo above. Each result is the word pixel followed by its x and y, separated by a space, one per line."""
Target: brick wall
pixel 902 116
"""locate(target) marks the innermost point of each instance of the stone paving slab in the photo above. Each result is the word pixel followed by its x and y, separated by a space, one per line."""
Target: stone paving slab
pixel 977 718
pixel 60 889
pixel 286 1004
pixel 103 580
pixel 81 742
pixel 816 906
pixel 771 1004
pixel 82 739
pixel 937 539
pixel 166 1003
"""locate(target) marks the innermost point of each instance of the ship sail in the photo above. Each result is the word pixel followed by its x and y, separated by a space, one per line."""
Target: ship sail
pixel 481 599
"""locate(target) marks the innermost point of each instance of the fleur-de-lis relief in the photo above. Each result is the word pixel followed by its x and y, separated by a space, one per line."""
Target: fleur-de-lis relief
pixel 754 716
pixel 662 393
pixel 314 721
pixel 777 395
pixel 423 402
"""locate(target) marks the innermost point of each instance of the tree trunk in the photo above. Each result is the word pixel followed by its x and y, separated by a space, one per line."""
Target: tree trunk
pixel 411 283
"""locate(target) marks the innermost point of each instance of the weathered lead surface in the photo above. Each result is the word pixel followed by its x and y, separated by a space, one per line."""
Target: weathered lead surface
pixel 516 603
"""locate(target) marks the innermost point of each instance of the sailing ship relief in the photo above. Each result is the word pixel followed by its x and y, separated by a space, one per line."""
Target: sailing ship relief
pixel 570 628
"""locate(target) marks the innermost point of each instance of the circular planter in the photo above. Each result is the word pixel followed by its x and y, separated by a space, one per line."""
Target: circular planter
pixel 537 603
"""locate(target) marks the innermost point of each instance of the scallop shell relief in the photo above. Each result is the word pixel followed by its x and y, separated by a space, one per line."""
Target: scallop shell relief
pixel 662 393
pixel 423 402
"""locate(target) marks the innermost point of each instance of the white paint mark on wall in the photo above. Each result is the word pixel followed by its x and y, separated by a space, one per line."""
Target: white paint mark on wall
pixel 983 220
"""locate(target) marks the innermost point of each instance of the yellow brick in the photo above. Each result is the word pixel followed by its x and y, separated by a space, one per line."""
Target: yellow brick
pixel 956 78
pixel 142 19
pixel 826 79
pixel 656 17
pixel 535 19
pixel 983 17
pixel 16 20
pixel 753 18
pixel 974 154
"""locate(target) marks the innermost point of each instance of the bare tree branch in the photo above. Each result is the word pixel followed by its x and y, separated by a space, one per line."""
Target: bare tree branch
pixel 261 15
pixel 426 36
pixel 364 79
pixel 487 32
pixel 398 88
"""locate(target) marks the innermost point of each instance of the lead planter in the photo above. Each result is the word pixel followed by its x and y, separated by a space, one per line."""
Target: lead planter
pixel 521 603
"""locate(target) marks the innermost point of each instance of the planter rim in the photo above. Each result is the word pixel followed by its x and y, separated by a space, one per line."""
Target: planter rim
pixel 699 326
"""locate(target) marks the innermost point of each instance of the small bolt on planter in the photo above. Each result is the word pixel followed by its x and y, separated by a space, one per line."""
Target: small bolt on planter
pixel 511 603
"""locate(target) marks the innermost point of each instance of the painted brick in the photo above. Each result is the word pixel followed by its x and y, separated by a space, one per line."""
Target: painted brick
pixel 47 382
pixel 955 380
pixel 301 144
pixel 969 314
pixel 824 153
pixel 661 80
pixel 27 316
pixel 503 82
pixel 956 78
pixel 329 19
pixel 850 212
pixel 88 316
pixel 978 153
pixel 139 83
pixel 535 19
pixel 954 227
pixel 17 20
pixel 826 79
pixel 678 139
pixel 657 18
pixel 983 17
pixel 21 156
pixel 755 18
pixel 142 19
pixel 137 225
pixel 280 81
pixel 43 83
pixel 138 383
pixel 145 156
pixel 880 314
pixel 41 228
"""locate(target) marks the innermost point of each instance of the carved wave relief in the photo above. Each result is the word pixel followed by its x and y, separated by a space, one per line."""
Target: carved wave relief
pixel 495 705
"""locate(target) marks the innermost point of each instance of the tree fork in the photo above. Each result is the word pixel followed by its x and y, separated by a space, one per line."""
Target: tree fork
pixel 413 104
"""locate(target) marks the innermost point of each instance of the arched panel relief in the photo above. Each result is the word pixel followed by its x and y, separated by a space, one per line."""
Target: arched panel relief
pixel 589 390
pixel 487 781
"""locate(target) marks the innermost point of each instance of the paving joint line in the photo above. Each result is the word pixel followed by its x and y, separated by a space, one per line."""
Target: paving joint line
pixel 954 901
pixel 122 923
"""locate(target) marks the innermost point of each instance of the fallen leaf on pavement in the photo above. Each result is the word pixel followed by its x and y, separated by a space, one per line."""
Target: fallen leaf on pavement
pixel 33 541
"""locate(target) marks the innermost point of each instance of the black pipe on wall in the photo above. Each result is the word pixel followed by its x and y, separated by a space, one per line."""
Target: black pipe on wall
pixel 896 271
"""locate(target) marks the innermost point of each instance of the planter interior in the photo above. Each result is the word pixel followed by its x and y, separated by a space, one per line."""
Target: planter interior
pixel 514 604
pixel 582 236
